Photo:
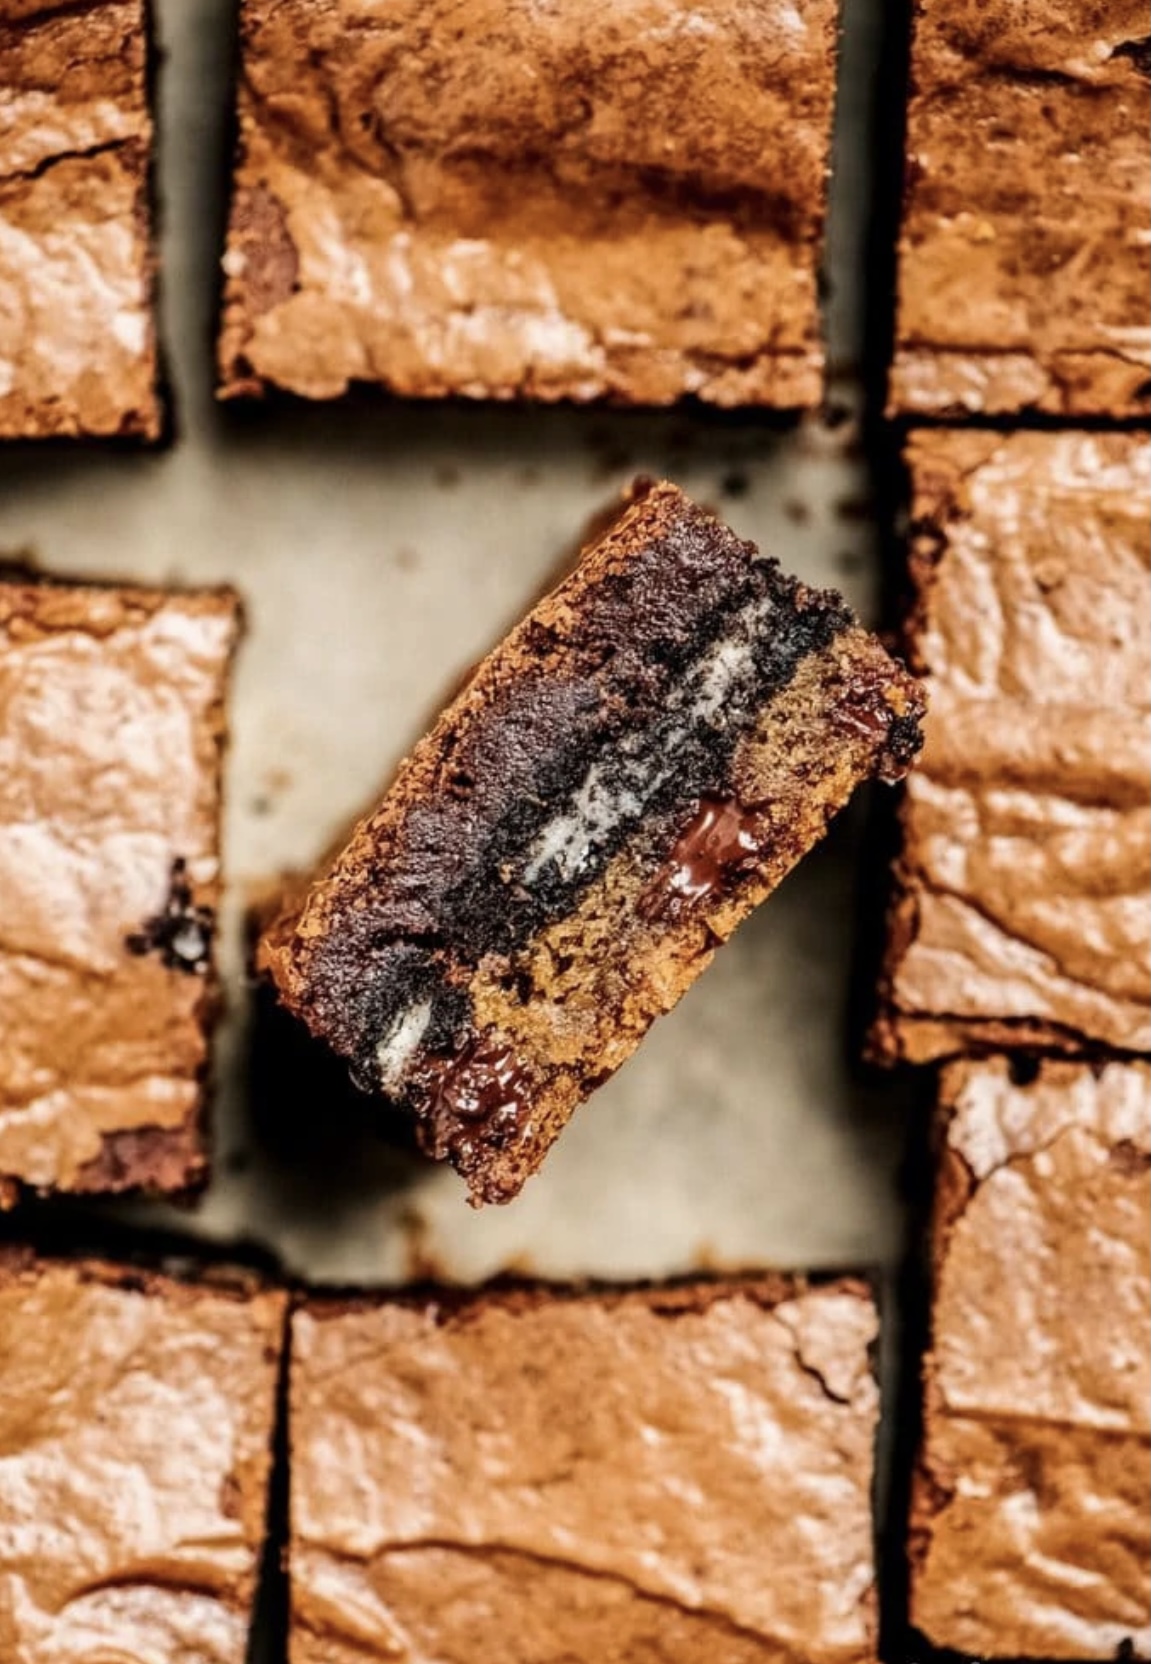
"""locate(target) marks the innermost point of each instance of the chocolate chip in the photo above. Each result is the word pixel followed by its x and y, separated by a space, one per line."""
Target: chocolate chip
pixel 182 933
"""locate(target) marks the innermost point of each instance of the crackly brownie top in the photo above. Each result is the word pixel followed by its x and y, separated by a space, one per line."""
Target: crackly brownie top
pixel 1032 1538
pixel 136 1421
pixel 77 353
pixel 1027 239
pixel 1028 822
pixel 541 1476
pixel 501 197
pixel 111 723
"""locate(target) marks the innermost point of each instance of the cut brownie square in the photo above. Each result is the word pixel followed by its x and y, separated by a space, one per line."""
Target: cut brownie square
pixel 534 1475
pixel 1020 915
pixel 1030 1531
pixel 620 782
pixel 136 1424
pixel 77 328
pixel 1025 259
pixel 509 200
pixel 111 732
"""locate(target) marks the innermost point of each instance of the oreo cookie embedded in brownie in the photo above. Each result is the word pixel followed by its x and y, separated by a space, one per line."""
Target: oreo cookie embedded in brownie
pixel 678 1473
pixel 1025 257
pixel 137 1415
pixel 1020 915
pixel 77 327
pixel 502 199
pixel 1029 1530
pixel 621 781
pixel 112 726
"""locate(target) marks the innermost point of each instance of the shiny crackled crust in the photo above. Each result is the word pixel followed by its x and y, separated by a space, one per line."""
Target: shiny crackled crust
pixel 555 1474
pixel 112 725
pixel 619 784
pixel 1025 257
pixel 1029 1530
pixel 136 1423
pixel 498 199
pixel 77 331
pixel 1020 913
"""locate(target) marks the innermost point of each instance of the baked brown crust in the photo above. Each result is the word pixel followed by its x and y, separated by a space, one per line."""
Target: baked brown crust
pixel 136 1423
pixel 112 727
pixel 621 781
pixel 505 200
pixel 1020 915
pixel 595 1475
pixel 1029 1532
pixel 77 266
pixel 1025 257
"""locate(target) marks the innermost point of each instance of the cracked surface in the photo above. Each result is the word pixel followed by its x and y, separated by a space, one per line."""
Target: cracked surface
pixel 674 1475
pixel 1025 257
pixel 111 731
pixel 77 335
pixel 1030 1536
pixel 1021 911
pixel 136 1419
pixel 620 782
pixel 501 199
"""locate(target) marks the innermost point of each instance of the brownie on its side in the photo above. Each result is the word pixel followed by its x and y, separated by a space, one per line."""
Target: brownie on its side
pixel 136 1424
pixel 77 328
pixel 499 199
pixel 620 782
pixel 111 732
pixel 1025 259
pixel 540 1475
pixel 1030 1534
pixel 1020 914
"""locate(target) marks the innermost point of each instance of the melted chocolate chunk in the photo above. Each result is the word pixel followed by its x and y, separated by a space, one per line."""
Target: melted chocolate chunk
pixel 484 1091
pixel 182 933
pixel 718 842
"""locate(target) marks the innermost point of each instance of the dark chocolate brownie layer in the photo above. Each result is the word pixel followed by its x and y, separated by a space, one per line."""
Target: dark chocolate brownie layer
pixel 112 726
pixel 77 332
pixel 136 1423
pixel 1030 1533
pixel 546 1475
pixel 619 783
pixel 501 199
pixel 1020 915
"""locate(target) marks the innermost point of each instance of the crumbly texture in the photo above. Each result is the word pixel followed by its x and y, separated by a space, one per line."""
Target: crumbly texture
pixel 77 331
pixel 620 782
pixel 111 732
pixel 499 199
pixel 1030 1535
pixel 1025 259
pixel 136 1424
pixel 1020 913
pixel 541 1476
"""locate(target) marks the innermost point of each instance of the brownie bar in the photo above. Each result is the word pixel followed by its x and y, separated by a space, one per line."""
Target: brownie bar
pixel 111 732
pixel 621 781
pixel 136 1423
pixel 1025 259
pixel 678 1473
pixel 1030 1532
pixel 1020 915
pixel 499 199
pixel 77 328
